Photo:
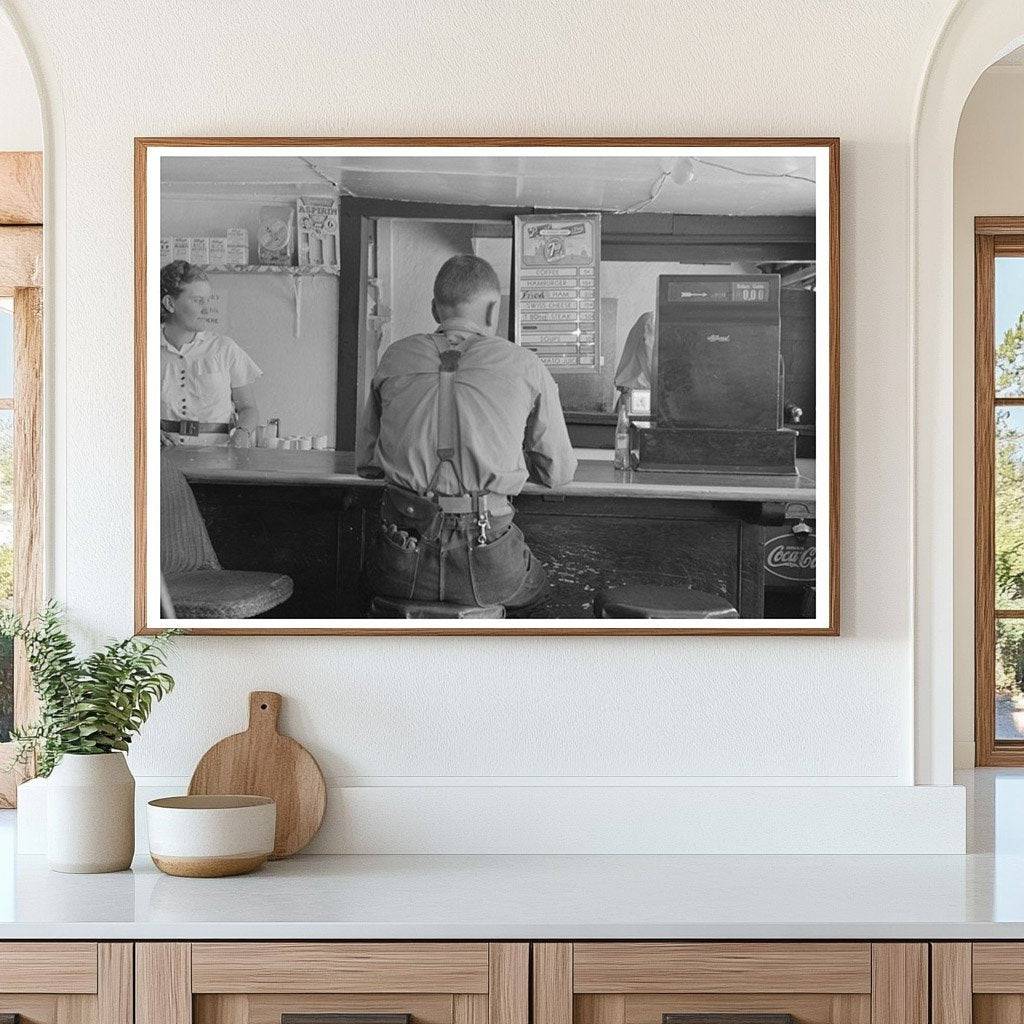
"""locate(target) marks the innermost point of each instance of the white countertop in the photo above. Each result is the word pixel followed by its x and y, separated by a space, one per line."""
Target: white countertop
pixel 532 897
pixel 595 477
pixel 977 896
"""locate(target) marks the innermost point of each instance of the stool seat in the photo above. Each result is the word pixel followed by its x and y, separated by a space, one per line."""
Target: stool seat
pixel 400 608
pixel 226 593
pixel 194 584
pixel 651 602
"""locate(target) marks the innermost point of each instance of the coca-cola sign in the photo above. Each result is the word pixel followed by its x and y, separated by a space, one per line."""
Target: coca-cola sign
pixel 790 558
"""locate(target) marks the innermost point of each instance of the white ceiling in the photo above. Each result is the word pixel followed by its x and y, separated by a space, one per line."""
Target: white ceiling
pixel 752 185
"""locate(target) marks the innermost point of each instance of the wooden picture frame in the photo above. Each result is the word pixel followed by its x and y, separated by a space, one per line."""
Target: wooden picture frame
pixel 21 278
pixel 748 536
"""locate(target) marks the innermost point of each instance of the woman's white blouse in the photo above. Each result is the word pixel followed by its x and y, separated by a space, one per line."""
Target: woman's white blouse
pixel 196 381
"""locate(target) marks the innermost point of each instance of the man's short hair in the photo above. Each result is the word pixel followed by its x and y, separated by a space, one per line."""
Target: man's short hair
pixel 462 279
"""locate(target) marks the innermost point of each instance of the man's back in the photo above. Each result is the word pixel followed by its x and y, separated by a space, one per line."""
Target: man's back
pixel 508 423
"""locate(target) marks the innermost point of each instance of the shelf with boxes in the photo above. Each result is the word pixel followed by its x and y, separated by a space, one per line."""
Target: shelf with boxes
pixel 255 268
pixel 299 239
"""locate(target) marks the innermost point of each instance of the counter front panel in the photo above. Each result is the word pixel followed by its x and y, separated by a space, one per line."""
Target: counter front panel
pixel 311 518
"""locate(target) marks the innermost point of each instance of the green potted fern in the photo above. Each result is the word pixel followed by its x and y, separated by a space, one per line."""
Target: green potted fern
pixel 89 710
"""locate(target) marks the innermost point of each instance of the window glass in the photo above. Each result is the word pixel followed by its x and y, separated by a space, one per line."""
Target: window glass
pixel 1009 512
pixel 6 567
pixel 1009 679
pixel 1009 327
pixel 6 348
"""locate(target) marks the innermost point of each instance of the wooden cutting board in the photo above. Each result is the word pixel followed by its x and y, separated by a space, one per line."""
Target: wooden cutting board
pixel 262 762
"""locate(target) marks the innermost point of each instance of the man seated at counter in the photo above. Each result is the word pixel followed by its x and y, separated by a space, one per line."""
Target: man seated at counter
pixel 456 421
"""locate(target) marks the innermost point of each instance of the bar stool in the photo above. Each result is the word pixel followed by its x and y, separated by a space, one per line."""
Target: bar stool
pixel 399 608
pixel 193 583
pixel 652 602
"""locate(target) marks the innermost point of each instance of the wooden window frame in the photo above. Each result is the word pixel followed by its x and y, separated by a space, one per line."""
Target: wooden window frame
pixel 21 277
pixel 993 236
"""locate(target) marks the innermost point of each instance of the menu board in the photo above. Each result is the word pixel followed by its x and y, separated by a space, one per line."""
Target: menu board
pixel 557 289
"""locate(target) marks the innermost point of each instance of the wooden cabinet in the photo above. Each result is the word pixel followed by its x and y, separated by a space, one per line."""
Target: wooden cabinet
pixel 493 983
pixel 259 982
pixel 979 982
pixel 66 982
pixel 815 982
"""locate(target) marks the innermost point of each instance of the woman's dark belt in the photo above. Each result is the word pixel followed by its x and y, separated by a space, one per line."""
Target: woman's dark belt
pixel 192 428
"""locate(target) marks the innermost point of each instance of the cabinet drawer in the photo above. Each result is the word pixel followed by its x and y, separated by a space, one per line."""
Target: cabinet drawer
pixel 66 982
pixel 998 967
pixel 749 982
pixel 630 967
pixel 48 967
pixel 340 967
pixel 261 982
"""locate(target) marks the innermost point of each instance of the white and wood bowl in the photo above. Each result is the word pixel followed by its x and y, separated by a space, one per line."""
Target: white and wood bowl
pixel 211 836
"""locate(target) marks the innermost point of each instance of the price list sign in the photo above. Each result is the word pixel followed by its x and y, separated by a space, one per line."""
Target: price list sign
pixel 557 289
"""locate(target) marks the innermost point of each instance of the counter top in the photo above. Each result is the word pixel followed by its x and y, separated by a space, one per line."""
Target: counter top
pixel 531 897
pixel 594 477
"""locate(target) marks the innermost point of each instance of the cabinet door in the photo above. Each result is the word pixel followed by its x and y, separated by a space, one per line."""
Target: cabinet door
pixel 738 982
pixel 981 982
pixel 66 982
pixel 306 982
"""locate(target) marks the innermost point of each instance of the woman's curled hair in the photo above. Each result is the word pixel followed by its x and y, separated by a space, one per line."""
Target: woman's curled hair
pixel 173 279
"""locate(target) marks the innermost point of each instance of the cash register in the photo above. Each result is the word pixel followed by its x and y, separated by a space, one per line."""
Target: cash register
pixel 717 385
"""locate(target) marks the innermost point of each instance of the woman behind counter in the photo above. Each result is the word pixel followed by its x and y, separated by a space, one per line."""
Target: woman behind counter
pixel 206 378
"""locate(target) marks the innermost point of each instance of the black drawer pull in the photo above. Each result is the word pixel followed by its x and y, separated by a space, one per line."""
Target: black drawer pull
pixel 340 1018
pixel 728 1018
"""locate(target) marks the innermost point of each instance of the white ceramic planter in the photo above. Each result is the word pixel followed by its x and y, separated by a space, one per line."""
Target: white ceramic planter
pixel 90 814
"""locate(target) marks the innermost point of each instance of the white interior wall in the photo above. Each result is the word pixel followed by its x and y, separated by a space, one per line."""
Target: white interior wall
pixel 987 182
pixel 21 123
pixel 435 716
pixel 418 250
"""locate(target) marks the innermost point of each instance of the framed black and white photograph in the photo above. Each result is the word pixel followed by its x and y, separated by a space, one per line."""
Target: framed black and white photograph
pixel 537 386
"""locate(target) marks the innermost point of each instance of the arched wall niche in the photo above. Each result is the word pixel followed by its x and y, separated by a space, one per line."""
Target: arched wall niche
pixel 975 34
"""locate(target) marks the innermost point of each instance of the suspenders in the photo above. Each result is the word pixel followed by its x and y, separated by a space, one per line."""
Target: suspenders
pixel 447 415
pixel 448 444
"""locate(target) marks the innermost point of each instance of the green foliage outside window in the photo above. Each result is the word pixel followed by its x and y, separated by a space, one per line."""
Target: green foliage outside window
pixel 1009 510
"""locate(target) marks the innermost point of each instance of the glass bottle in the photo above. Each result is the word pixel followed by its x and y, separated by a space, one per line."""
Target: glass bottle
pixel 622 446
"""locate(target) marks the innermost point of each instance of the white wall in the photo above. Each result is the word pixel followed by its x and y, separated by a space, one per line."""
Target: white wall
pixel 21 124
pixel 390 714
pixel 418 250
pixel 988 181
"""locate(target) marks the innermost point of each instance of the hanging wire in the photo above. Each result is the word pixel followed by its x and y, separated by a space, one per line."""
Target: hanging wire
pixel 656 188
pixel 754 174
pixel 321 173
pixel 663 178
